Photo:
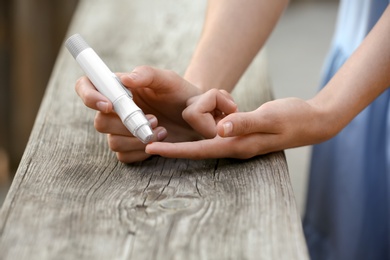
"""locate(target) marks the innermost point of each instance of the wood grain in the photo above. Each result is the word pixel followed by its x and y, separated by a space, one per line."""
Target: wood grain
pixel 71 198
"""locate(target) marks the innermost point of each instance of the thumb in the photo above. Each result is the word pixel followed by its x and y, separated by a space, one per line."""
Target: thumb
pixel 159 81
pixel 150 77
pixel 143 76
pixel 243 123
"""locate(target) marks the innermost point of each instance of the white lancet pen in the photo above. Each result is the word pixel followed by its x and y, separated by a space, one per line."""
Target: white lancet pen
pixel 110 86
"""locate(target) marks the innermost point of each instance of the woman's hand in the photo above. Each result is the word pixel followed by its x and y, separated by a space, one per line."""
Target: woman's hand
pixel 274 126
pixel 159 93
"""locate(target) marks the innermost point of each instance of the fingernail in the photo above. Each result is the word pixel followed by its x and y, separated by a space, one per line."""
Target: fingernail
pixel 227 128
pixel 162 134
pixel 152 121
pixel 102 106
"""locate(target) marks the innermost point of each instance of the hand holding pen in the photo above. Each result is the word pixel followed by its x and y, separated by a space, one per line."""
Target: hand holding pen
pixel 161 94
pixel 111 87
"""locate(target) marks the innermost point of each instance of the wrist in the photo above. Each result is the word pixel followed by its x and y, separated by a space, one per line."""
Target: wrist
pixel 193 76
pixel 206 78
pixel 327 123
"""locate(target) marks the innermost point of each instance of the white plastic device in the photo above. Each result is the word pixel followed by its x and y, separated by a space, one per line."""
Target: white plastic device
pixel 110 86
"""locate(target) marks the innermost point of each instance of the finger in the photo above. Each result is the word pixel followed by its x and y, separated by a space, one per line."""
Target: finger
pixel 226 94
pixel 91 97
pixel 192 100
pixel 203 149
pixel 213 99
pixel 146 76
pixel 242 147
pixel 112 124
pixel 208 109
pixel 225 103
pixel 203 123
pixel 124 144
pixel 121 143
pixel 238 124
pixel 130 149
pixel 157 79
pixel 191 150
pixel 132 157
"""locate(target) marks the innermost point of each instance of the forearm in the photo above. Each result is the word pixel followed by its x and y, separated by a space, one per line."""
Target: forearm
pixel 233 33
pixel 364 76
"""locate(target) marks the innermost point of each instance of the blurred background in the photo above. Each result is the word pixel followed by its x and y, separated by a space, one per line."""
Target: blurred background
pixel 296 53
pixel 32 31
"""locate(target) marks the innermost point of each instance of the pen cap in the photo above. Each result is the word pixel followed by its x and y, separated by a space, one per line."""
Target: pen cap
pixel 76 44
pixel 133 118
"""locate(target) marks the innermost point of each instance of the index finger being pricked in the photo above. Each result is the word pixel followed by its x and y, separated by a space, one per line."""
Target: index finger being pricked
pixel 91 97
pixel 203 149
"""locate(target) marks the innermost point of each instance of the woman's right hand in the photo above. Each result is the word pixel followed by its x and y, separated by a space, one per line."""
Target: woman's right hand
pixel 161 94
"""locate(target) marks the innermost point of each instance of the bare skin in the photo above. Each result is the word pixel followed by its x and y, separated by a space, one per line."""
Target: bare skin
pixel 151 89
pixel 292 122
pixel 276 125
pixel 209 68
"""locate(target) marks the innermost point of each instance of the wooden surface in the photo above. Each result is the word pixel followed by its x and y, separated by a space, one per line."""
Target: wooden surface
pixel 71 198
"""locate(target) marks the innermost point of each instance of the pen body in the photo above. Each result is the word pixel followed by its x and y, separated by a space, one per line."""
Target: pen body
pixel 110 86
pixel 100 75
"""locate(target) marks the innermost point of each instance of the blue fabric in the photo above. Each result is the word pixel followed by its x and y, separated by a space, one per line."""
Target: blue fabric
pixel 348 201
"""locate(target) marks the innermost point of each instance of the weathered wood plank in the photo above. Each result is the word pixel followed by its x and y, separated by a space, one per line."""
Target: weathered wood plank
pixel 71 198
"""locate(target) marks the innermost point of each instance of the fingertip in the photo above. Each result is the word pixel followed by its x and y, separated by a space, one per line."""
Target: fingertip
pixel 231 106
pixel 234 107
pixel 152 120
pixel 131 77
pixel 225 129
pixel 140 76
pixel 127 79
pixel 229 126
pixel 161 134
pixel 225 103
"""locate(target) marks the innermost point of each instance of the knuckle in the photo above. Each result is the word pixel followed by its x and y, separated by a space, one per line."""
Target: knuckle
pixel 243 125
pixel 143 68
pixel 213 92
pixel 99 122
pixel 123 158
pixel 83 91
pixel 191 100
pixel 131 157
pixel 80 82
pixel 188 114
pixel 88 100
pixel 171 73
pixel 114 142
pixel 224 92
